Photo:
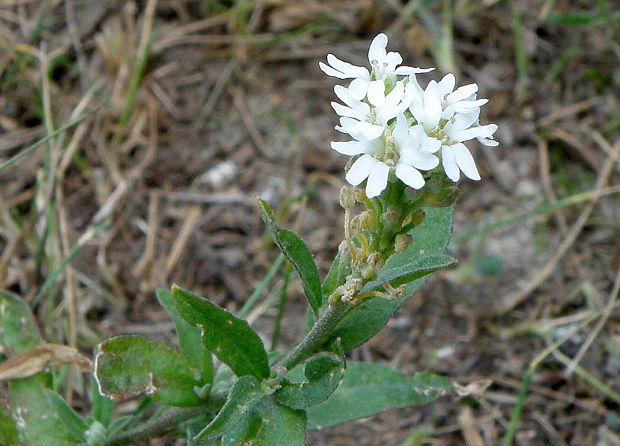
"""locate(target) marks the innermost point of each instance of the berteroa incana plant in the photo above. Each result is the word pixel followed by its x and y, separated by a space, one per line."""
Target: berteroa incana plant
pixel 221 387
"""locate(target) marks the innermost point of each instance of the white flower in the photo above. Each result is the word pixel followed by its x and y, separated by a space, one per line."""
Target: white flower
pixel 450 117
pixel 454 154
pixel 385 68
pixel 365 119
pixel 366 166
pixel 387 139
pixel 402 153
pixel 412 155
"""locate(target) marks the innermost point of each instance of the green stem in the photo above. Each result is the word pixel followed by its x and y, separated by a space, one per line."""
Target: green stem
pixel 288 270
pixel 168 420
pixel 317 337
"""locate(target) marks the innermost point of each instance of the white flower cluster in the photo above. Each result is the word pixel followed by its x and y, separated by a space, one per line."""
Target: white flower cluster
pixel 398 126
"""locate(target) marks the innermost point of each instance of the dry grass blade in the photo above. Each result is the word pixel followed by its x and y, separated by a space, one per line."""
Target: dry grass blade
pixel 38 358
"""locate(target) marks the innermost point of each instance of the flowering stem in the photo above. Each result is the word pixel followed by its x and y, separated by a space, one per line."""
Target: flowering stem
pixel 317 337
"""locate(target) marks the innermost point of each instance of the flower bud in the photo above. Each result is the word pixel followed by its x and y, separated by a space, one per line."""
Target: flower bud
pixel 347 198
pixel 401 242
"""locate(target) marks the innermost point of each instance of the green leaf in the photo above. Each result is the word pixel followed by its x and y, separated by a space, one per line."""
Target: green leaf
pixel 74 423
pixel 229 338
pixel 427 239
pixel 269 424
pixel 103 407
pixel 244 393
pixel 299 255
pixel 369 388
pixel 96 435
pixel 338 272
pixel 323 376
pixel 190 340
pixel 18 329
pixel 9 434
pixel 409 272
pixel 40 422
pixel 126 366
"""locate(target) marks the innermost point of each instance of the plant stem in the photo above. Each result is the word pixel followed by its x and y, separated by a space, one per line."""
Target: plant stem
pixel 168 420
pixel 317 336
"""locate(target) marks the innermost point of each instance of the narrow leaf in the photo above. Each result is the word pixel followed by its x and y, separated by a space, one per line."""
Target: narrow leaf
pixel 190 340
pixel 18 329
pixel 229 338
pixel 244 393
pixel 323 374
pixel 298 254
pixel 369 388
pixel 103 407
pixel 76 425
pixel 409 272
pixel 428 238
pixel 269 424
pixel 126 366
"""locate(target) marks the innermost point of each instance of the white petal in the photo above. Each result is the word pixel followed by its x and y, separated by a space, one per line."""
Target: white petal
pixel 446 85
pixel 432 105
pixel 482 131
pixel 347 125
pixel 420 160
pixel 345 96
pixel 345 111
pixel 410 176
pixel 430 145
pixel 448 112
pixel 392 60
pixel 465 161
pixel 376 93
pixel 448 160
pixel 400 132
pixel 462 121
pixel 377 179
pixel 404 70
pixel 377 48
pixel 358 88
pixel 349 148
pixel 347 69
pixel 463 106
pixel 331 72
pixel 462 93
pixel 360 169
pixel 488 142
pixel 368 130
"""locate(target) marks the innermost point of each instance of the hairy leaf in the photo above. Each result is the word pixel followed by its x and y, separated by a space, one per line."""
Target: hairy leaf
pixel 369 388
pixel 229 338
pixel 269 424
pixel 190 340
pixel 323 374
pixel 243 394
pixel 126 366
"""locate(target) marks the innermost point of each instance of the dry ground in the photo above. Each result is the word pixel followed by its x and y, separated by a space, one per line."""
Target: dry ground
pixel 193 108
